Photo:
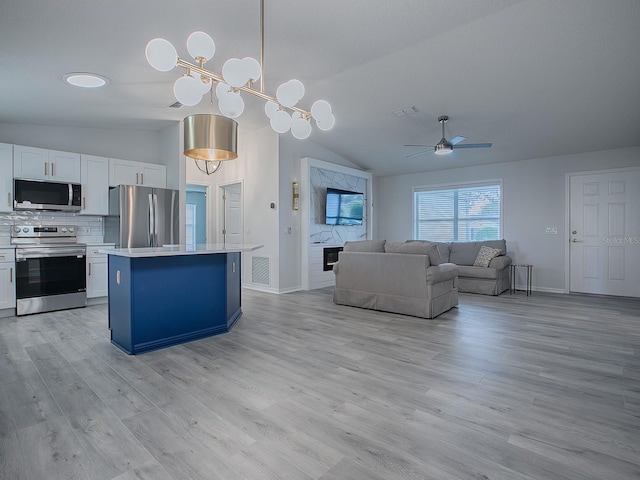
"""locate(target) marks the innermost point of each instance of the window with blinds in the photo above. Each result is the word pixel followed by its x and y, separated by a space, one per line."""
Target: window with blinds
pixel 459 213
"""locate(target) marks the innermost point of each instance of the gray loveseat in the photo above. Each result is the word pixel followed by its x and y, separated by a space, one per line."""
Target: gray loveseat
pixel 394 277
pixel 490 280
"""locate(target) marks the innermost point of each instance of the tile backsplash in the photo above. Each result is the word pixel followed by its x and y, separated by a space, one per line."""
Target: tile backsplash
pixel 90 228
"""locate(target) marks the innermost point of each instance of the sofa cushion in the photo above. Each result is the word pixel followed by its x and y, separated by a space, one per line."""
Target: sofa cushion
pixel 436 256
pixel 415 248
pixel 485 255
pixel 465 253
pixel 477 272
pixel 365 246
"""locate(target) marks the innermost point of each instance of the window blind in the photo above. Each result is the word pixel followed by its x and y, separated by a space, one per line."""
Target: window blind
pixel 458 213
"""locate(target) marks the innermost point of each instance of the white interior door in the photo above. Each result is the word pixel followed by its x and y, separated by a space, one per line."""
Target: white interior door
pixel 604 238
pixel 232 213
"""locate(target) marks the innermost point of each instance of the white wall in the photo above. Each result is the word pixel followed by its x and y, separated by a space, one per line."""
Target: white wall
pixel 533 199
pixel 128 144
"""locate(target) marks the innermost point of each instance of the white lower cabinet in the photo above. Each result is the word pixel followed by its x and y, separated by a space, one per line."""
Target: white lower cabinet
pixel 97 273
pixel 7 278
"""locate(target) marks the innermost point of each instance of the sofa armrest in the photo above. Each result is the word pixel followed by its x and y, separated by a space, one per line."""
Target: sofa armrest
pixel 500 263
pixel 441 273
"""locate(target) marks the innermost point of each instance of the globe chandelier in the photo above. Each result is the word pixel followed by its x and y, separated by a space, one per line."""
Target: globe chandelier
pixel 238 75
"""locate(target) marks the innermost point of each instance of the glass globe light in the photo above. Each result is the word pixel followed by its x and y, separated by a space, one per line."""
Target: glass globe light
pixel 187 90
pixel 326 124
pixel 252 67
pixel 205 86
pixel 281 121
pixel 301 128
pixel 200 44
pixel 270 108
pixel 234 74
pixel 231 105
pixel 221 89
pixel 321 110
pixel 161 55
pixel 289 93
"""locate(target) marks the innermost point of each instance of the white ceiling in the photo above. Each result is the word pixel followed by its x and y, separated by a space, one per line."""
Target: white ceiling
pixel 536 78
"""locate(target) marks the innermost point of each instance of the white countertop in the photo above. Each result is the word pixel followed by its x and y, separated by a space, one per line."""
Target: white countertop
pixel 172 250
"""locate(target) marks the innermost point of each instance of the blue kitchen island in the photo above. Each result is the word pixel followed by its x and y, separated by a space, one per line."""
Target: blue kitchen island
pixel 164 296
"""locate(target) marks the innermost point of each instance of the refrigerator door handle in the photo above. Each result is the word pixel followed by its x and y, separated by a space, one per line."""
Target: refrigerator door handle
pixel 156 219
pixel 152 226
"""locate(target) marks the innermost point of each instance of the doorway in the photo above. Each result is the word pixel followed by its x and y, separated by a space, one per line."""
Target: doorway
pixel 230 213
pixel 604 233
pixel 196 214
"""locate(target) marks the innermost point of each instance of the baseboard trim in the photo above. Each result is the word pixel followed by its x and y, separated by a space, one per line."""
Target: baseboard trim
pixel 258 288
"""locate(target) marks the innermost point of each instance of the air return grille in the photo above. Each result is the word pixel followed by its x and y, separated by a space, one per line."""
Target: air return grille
pixel 261 271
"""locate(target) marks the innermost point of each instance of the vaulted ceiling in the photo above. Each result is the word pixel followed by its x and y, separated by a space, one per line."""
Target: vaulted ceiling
pixel 537 78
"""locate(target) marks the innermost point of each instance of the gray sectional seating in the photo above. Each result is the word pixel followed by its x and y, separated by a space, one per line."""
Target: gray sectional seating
pixel 395 277
pixel 491 280
pixel 417 277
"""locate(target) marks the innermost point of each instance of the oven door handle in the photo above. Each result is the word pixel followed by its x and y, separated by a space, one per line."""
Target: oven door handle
pixel 48 252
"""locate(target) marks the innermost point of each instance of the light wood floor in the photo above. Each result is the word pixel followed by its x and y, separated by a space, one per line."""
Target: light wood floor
pixel 513 387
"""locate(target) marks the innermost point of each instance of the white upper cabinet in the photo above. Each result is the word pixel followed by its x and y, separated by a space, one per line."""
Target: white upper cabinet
pixel 126 172
pixel 6 177
pixel 42 164
pixel 95 185
pixel 152 175
pixel 64 166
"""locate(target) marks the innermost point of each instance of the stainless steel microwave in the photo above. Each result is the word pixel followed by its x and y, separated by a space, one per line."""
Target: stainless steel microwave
pixel 36 195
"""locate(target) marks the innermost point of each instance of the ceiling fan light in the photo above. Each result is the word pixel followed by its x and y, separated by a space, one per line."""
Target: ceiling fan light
pixel 443 147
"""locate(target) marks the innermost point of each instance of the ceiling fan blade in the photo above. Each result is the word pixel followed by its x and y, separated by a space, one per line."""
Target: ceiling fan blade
pixel 418 153
pixel 420 145
pixel 473 145
pixel 456 140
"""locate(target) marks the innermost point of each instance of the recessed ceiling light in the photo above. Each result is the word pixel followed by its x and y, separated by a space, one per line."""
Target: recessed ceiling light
pixel 85 80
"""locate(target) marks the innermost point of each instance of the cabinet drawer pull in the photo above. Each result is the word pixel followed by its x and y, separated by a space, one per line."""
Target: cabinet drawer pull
pixel 10 275
pixel 46 169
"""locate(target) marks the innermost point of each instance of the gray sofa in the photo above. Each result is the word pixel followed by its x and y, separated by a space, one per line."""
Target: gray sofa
pixel 490 280
pixel 394 277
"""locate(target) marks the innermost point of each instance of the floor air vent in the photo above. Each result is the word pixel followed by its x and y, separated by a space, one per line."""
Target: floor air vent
pixel 261 271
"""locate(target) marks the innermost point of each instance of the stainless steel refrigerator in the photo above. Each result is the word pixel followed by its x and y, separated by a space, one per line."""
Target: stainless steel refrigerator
pixel 142 217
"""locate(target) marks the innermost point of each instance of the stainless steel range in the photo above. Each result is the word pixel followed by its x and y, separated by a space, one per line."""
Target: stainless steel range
pixel 50 268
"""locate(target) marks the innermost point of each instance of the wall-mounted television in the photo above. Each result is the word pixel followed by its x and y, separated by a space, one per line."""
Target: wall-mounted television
pixel 344 207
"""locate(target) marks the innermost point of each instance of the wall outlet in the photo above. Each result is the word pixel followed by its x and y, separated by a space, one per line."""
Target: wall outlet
pixel 551 231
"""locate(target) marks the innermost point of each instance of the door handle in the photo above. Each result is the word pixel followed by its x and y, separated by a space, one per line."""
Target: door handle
pixel 10 275
pixel 46 169
pixel 137 178
pixel 52 167
pixel 89 270
pixel 9 199
pixel 574 240
pixel 142 179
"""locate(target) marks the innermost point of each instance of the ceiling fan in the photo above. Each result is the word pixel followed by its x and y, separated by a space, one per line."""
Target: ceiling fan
pixel 446 147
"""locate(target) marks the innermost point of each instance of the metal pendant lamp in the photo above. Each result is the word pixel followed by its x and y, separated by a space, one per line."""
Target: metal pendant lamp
pixel 210 137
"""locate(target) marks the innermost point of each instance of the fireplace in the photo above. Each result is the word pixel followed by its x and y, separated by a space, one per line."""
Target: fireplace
pixel 330 257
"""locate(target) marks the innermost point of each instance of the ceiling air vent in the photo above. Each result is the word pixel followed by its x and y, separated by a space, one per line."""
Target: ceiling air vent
pixel 175 105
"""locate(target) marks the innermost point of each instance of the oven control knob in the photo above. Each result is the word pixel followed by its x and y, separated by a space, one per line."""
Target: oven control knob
pixel 64 229
pixel 25 230
pixel 71 229
pixel 17 229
